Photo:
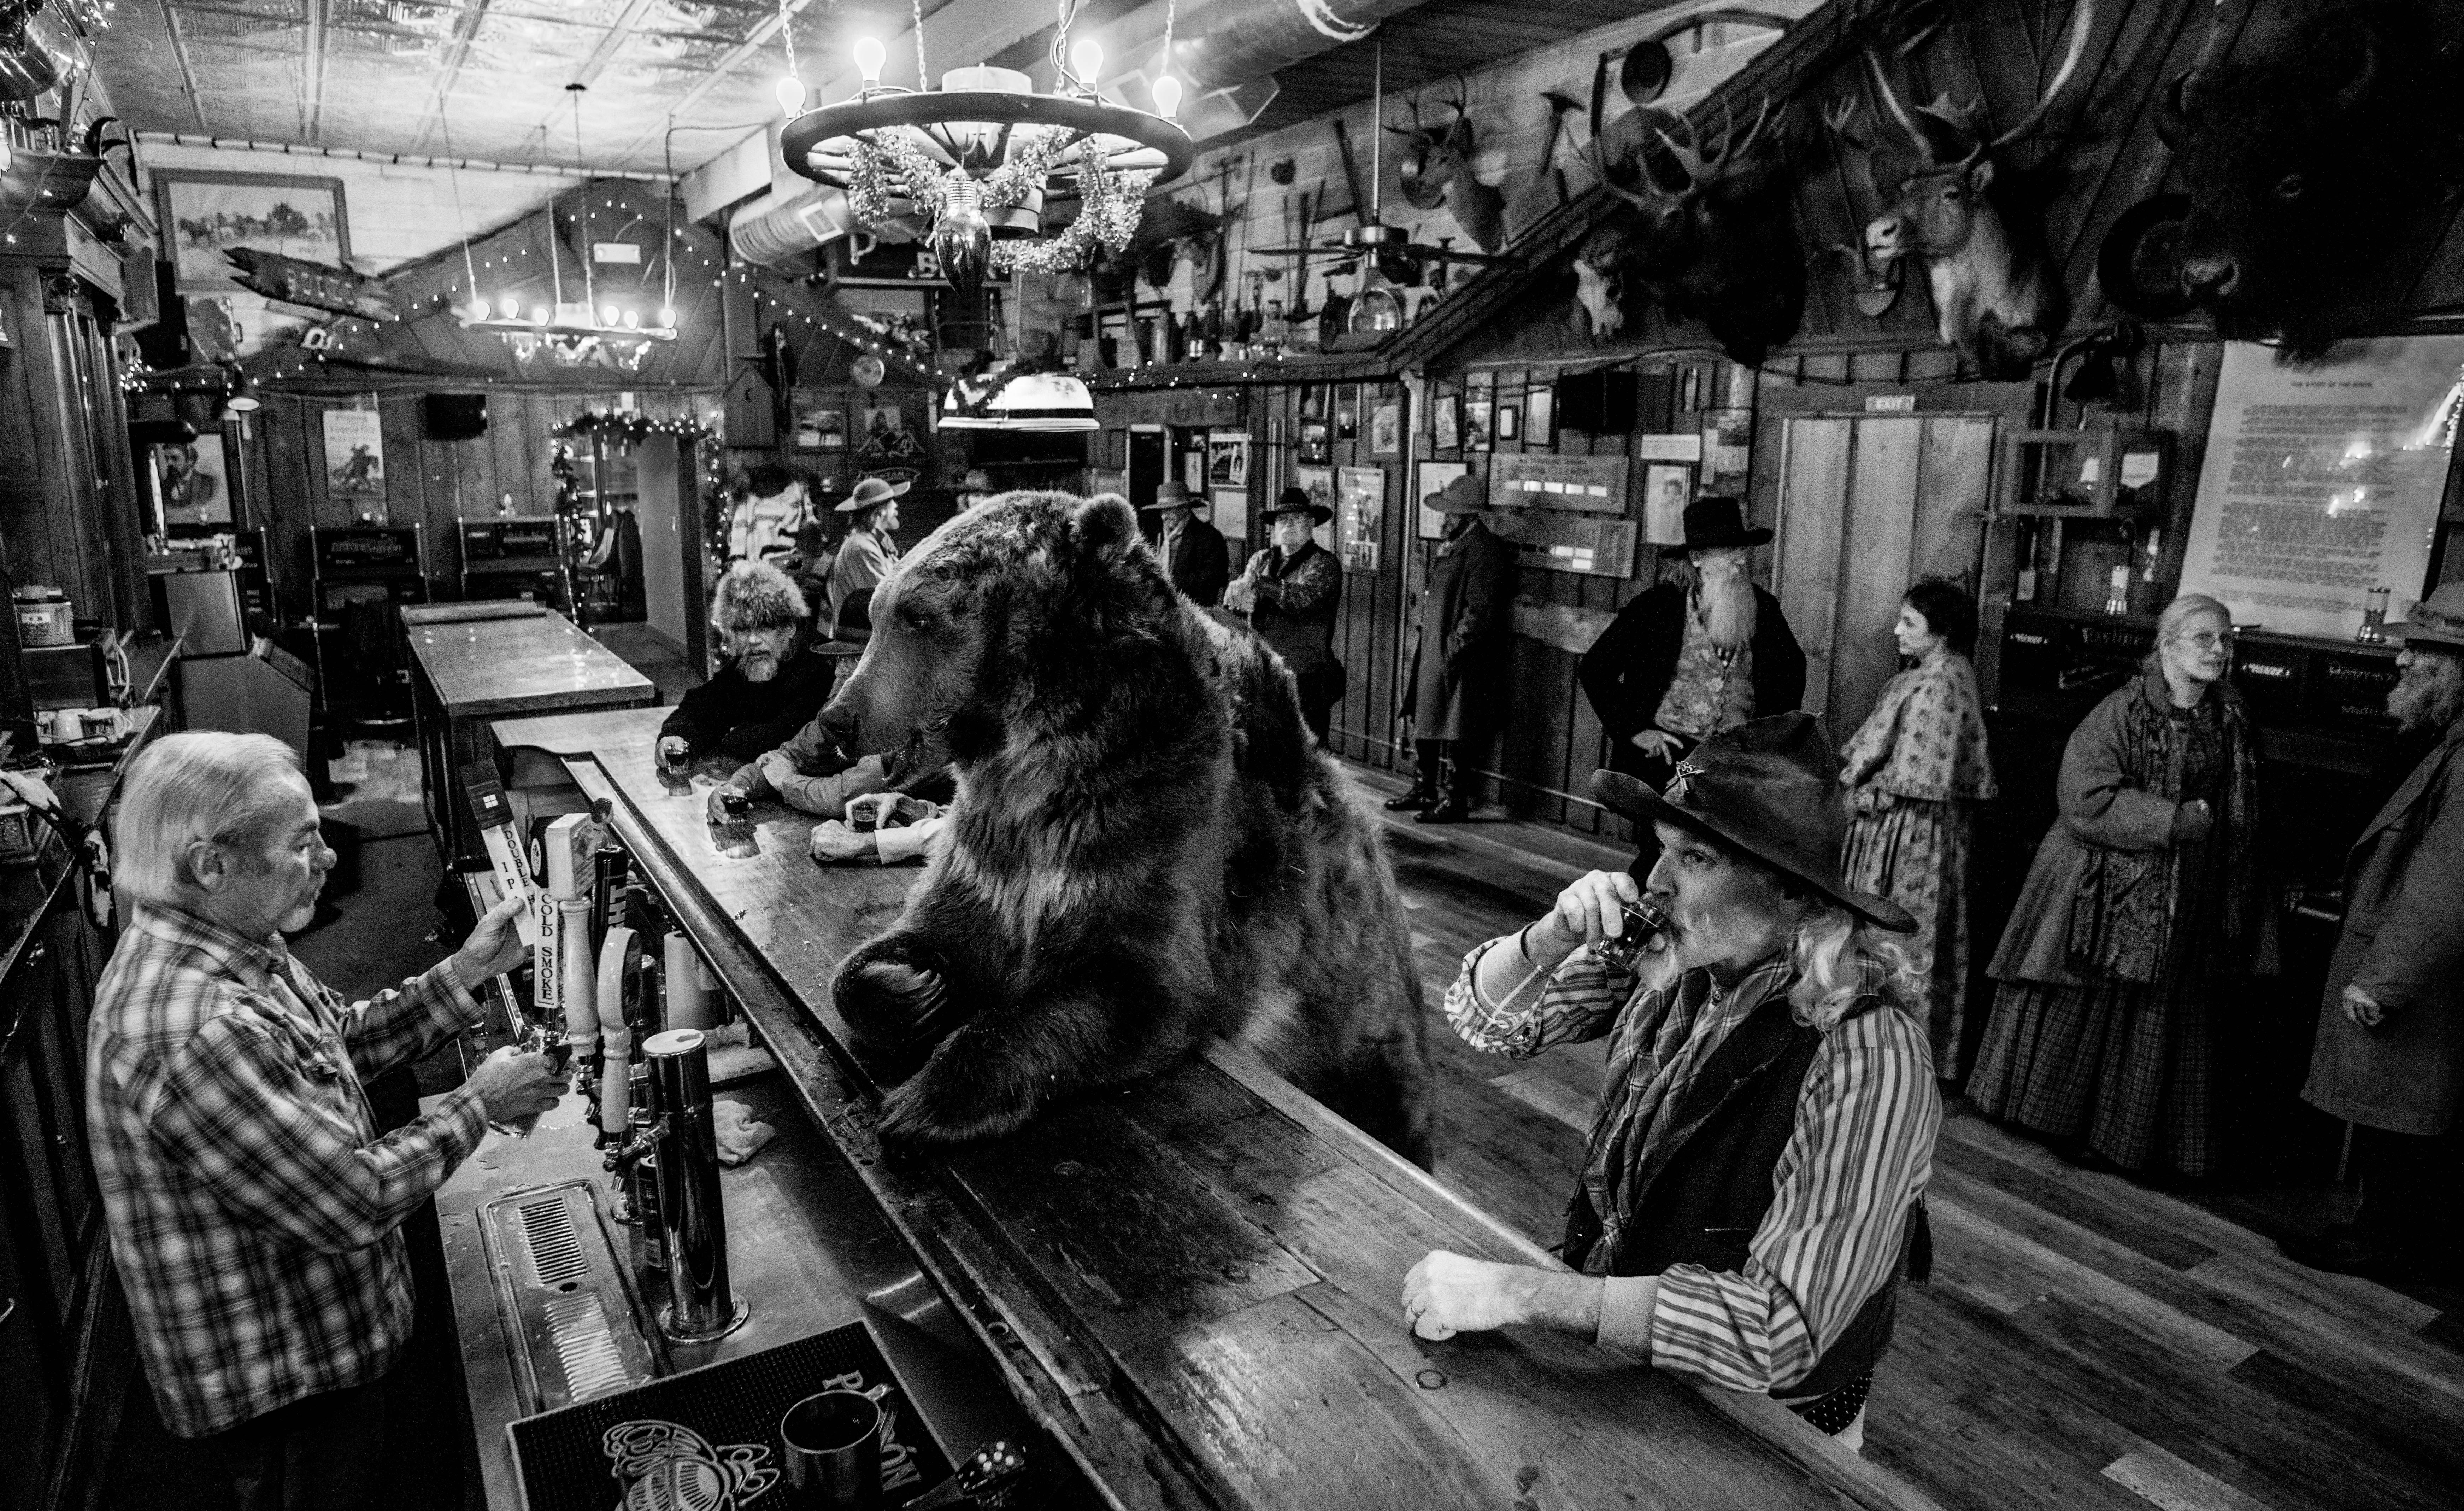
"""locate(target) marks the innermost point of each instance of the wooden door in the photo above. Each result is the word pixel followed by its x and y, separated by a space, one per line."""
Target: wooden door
pixel 1869 505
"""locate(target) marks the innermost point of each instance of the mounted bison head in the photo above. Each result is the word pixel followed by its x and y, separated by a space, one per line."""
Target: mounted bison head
pixel 1995 295
pixel 2303 163
pixel 1704 231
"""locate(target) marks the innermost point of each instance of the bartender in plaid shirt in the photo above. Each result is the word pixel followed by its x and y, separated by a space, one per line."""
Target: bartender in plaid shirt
pixel 1765 1129
pixel 254 1210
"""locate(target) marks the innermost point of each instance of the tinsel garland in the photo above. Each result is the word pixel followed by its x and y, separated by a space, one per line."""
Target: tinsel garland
pixel 1110 206
pixel 631 427
pixel 894 166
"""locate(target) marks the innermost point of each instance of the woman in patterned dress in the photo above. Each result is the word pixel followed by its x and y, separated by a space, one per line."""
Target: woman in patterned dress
pixel 1913 772
pixel 2140 911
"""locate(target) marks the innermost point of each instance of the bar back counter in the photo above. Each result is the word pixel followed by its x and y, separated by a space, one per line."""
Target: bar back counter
pixel 1193 1283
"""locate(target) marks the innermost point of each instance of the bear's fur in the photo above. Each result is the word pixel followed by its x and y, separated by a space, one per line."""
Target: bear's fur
pixel 1146 852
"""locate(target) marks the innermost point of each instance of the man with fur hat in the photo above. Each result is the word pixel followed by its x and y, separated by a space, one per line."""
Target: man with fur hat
pixel 1292 591
pixel 1192 550
pixel 2389 1052
pixel 1459 663
pixel 770 681
pixel 865 557
pixel 1765 1130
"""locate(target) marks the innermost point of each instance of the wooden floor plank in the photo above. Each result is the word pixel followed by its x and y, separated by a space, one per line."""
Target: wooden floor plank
pixel 1539 1090
pixel 2164 1481
pixel 2125 1221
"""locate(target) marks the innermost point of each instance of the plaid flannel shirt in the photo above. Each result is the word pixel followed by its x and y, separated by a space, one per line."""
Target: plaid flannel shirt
pixel 255 1211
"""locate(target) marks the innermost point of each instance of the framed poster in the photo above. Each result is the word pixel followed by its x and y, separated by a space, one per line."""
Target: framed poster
pixel 1476 433
pixel 821 424
pixel 1386 430
pixel 353 455
pixel 1509 422
pixel 1433 475
pixel 2323 481
pixel 887 439
pixel 1728 450
pixel 1360 510
pixel 1227 459
pixel 1231 512
pixel 192 486
pixel 202 213
pixel 1317 447
pixel 1318 482
pixel 1668 488
pixel 1346 412
pixel 1540 416
pixel 1193 470
pixel 1446 422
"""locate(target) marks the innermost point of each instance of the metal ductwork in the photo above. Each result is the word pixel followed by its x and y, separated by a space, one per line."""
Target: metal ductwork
pixel 1224 53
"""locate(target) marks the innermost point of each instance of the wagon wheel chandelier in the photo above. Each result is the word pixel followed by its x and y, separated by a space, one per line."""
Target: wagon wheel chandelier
pixel 972 165
pixel 570 332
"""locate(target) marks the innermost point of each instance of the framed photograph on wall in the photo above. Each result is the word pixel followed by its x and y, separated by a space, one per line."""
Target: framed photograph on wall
pixel 1668 488
pixel 1360 513
pixel 1476 436
pixel 1318 443
pixel 821 423
pixel 1227 459
pixel 1540 416
pixel 192 486
pixel 1193 470
pixel 1446 422
pixel 1433 475
pixel 1318 482
pixel 205 214
pixel 1386 430
pixel 1346 412
pixel 1509 422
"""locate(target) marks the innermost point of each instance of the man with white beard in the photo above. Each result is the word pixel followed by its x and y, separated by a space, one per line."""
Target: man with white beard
pixel 2389 1052
pixel 771 683
pixel 1701 653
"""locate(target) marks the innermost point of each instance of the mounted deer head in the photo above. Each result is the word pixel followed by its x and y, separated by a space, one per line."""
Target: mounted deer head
pixel 1437 171
pixel 1995 295
pixel 1705 233
pixel 2305 163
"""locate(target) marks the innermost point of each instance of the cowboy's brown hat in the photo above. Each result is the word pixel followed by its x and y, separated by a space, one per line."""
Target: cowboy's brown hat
pixel 872 492
pixel 1770 789
pixel 1464 495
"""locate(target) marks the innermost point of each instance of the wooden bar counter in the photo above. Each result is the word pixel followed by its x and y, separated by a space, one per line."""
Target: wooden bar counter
pixel 1193 1282
pixel 478 662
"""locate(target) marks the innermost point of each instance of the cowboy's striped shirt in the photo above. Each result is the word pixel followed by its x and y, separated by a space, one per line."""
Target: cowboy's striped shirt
pixel 1860 1156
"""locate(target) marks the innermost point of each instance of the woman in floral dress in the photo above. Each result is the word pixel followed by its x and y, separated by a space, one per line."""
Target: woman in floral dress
pixel 1912 772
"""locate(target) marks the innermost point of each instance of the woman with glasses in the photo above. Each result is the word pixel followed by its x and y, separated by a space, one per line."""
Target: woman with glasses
pixel 2140 909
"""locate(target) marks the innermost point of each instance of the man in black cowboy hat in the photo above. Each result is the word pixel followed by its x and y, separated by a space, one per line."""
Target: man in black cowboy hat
pixel 1457 683
pixel 1766 1130
pixel 1192 550
pixel 1292 593
pixel 865 557
pixel 1698 653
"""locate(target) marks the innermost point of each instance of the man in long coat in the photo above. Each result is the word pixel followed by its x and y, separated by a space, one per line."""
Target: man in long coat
pixel 1193 552
pixel 1458 666
pixel 2389 1052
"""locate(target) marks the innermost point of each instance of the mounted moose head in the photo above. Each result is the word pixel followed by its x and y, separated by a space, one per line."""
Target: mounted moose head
pixel 1437 171
pixel 2303 164
pixel 1705 231
pixel 1995 295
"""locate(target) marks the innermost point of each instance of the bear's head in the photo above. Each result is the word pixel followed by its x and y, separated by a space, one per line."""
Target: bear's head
pixel 1032 617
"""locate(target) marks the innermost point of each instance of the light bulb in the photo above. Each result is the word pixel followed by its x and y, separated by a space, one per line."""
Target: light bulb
pixel 607 314
pixel 1087 59
pixel 631 320
pixel 791 94
pixel 1167 96
pixel 511 305
pixel 666 317
pixel 538 314
pixel 868 56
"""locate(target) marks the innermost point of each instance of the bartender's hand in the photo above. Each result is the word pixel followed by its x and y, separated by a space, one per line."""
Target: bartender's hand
pixel 833 840
pixel 1589 911
pixel 1658 743
pixel 2362 1008
pixel 494 945
pixel 511 1084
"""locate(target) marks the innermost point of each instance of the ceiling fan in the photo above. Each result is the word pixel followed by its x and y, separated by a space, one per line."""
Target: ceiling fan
pixel 1397 256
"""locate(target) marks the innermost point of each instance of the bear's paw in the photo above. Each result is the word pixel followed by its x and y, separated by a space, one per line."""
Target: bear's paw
pixel 893 1003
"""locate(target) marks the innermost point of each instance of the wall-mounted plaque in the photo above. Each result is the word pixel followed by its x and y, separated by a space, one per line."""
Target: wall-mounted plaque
pixel 1592 484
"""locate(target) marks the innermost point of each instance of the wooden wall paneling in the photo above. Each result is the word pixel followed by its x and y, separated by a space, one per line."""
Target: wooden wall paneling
pixel 1872 569
pixel 28 549
pixel 1816 457
pixel 1955 479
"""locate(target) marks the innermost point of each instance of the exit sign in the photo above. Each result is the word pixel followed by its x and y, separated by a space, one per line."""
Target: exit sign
pixel 1890 404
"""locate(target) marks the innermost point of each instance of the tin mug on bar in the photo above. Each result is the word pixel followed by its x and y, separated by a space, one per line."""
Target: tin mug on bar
pixel 1646 921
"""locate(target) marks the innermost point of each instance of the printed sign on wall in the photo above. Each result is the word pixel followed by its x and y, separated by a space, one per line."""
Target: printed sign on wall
pixel 1536 481
pixel 353 455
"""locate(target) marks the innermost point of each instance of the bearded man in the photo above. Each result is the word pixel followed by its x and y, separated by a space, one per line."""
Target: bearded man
pixel 1765 1129
pixel 1698 653
pixel 2389 1052
pixel 771 683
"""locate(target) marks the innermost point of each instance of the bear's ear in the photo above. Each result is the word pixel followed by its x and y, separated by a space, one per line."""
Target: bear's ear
pixel 1103 524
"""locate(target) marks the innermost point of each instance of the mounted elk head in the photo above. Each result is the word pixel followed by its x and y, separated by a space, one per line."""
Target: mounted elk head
pixel 2303 164
pixel 1705 231
pixel 1995 295
pixel 1437 171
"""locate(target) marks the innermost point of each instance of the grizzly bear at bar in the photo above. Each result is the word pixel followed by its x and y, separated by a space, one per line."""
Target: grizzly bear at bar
pixel 1147 850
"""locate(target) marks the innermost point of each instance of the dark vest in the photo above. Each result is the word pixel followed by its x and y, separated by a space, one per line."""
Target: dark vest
pixel 1704 1190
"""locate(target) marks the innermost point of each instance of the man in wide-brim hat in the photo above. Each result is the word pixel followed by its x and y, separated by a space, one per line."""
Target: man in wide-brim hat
pixel 1459 662
pixel 1292 593
pixel 1192 550
pixel 865 557
pixel 2389 1053
pixel 1766 1130
pixel 1702 651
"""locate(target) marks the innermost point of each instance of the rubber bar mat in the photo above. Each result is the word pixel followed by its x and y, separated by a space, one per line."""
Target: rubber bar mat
pixel 708 1440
